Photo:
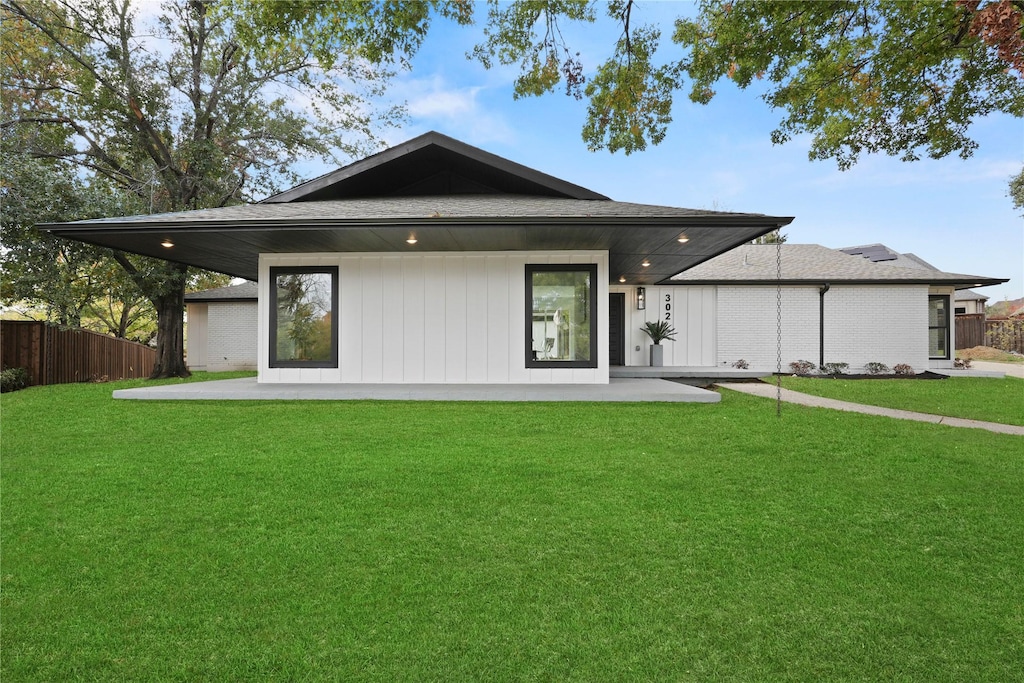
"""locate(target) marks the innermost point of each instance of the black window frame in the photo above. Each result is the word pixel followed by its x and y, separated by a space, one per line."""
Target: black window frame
pixel 275 271
pixel 945 328
pixel 590 269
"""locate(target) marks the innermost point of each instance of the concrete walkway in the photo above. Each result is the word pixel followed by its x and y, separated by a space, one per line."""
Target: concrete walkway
pixel 1010 369
pixel 247 389
pixel 769 391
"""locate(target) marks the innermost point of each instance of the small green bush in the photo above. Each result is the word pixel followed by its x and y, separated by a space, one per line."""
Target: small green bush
pixel 903 369
pixel 13 379
pixel 877 369
pixel 834 368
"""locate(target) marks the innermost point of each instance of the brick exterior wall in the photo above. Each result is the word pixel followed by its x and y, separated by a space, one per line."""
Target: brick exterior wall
pixel 231 336
pixel 863 324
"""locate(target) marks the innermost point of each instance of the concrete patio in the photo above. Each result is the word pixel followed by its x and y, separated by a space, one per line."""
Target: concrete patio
pixel 625 390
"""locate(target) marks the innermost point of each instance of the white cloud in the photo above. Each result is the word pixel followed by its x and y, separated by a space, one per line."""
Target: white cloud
pixel 461 112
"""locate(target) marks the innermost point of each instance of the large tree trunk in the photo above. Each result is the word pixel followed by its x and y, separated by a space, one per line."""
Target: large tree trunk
pixel 170 338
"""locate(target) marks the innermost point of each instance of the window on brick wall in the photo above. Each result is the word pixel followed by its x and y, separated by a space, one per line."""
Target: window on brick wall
pixel 938 327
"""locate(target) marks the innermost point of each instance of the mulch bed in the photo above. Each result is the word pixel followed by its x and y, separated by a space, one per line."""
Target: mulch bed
pixel 920 375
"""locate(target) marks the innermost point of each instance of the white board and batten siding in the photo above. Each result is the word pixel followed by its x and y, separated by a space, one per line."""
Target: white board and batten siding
pixel 433 318
pixel 692 310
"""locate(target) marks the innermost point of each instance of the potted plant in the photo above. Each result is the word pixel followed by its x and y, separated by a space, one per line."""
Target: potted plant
pixel 658 330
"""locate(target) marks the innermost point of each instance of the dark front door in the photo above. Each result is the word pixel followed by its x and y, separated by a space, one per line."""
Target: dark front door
pixel 616 328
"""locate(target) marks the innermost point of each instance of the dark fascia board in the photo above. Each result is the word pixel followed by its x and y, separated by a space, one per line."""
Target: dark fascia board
pixel 817 282
pixel 107 225
pixel 217 300
pixel 558 185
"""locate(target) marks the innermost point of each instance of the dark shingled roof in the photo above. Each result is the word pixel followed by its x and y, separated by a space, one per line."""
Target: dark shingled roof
pixel 481 203
pixel 813 263
pixel 246 291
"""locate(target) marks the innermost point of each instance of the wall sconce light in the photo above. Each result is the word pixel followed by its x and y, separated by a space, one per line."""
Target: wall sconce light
pixel 641 299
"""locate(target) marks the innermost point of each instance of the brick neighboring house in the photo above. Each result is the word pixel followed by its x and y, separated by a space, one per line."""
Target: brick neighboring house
pixel 969 302
pixel 221 328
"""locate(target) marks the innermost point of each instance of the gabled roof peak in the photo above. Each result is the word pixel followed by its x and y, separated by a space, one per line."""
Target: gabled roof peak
pixel 432 164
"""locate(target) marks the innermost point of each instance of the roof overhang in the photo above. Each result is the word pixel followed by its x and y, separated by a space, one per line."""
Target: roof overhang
pixel 234 248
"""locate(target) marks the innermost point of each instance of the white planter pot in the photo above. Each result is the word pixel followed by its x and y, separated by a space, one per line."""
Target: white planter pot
pixel 657 355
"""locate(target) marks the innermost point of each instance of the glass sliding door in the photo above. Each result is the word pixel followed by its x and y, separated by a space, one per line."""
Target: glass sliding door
pixel 938 327
pixel 561 316
pixel 303 321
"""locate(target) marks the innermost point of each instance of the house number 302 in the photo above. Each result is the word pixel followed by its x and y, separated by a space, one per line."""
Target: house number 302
pixel 668 307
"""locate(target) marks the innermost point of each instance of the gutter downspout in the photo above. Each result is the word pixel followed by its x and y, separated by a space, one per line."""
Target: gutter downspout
pixel 821 324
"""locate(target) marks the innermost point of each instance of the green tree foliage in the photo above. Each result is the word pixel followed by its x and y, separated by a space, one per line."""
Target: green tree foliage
pixel 902 77
pixel 895 76
pixel 179 115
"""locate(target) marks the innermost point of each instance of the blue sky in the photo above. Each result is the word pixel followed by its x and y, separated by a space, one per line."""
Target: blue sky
pixel 953 213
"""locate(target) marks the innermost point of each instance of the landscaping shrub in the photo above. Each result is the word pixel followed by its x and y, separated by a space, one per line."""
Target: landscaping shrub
pixel 802 367
pixel 962 363
pixel 13 379
pixel 834 368
pixel 877 369
pixel 903 369
pixel 741 364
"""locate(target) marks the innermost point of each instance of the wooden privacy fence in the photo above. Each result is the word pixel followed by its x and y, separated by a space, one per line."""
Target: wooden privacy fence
pixel 970 330
pixel 1007 334
pixel 52 355
pixel 973 330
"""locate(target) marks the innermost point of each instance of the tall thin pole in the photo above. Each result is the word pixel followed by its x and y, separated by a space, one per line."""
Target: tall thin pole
pixel 778 328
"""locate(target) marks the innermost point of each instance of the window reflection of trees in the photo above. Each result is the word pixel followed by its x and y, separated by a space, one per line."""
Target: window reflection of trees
pixel 304 316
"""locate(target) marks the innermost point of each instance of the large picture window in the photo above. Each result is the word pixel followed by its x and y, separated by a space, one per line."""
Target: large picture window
pixel 303 321
pixel 938 327
pixel 561 316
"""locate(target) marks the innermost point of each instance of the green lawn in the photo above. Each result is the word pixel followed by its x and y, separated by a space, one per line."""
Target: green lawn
pixel 974 398
pixel 151 540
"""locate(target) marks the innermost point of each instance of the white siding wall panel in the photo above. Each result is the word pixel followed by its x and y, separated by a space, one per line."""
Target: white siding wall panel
pixel 434 322
pixel 413 337
pixel 435 318
pixel 394 313
pixel 196 340
pixel 692 313
pixel 477 338
pixel 498 336
pixel 372 321
pixel 456 328
pixel 350 303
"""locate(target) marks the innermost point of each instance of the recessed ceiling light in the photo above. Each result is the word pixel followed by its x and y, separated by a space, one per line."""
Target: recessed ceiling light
pixel 682 239
pixel 646 263
pixel 622 278
pixel 412 239
pixel 167 243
